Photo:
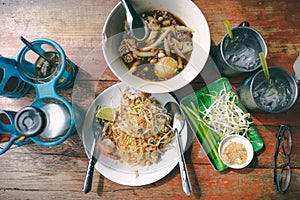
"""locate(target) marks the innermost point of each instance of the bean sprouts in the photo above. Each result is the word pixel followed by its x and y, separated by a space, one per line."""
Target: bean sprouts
pixel 223 116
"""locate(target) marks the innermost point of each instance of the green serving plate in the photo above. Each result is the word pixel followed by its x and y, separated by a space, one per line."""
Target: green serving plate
pixel 208 139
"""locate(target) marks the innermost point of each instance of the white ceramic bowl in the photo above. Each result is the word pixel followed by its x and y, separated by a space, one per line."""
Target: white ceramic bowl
pixel 188 12
pixel 238 139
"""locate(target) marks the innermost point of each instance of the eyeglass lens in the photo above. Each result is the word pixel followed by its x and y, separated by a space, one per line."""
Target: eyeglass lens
pixel 282 169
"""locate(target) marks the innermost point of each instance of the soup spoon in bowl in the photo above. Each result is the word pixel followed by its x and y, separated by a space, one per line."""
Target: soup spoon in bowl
pixel 135 22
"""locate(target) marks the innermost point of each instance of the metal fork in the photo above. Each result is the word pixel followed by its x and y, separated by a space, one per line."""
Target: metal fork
pixel 97 128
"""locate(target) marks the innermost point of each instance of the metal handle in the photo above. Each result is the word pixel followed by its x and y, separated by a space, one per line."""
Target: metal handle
pixel 129 8
pixel 135 22
pixel 30 46
pixel 90 169
pixel 186 185
pixel 129 13
pixel 244 24
pixel 88 180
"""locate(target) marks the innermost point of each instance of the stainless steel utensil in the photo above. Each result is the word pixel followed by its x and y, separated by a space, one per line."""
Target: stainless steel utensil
pixel 178 123
pixel 97 130
pixel 30 46
pixel 135 22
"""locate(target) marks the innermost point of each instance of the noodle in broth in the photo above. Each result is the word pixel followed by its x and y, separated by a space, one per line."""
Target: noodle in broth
pixel 164 53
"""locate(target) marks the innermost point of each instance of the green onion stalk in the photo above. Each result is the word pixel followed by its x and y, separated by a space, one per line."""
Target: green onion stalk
pixel 208 138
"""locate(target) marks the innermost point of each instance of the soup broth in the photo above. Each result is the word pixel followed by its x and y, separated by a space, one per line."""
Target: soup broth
pixel 164 53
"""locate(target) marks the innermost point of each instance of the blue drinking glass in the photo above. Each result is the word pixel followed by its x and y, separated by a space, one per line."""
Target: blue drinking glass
pixel 11 85
pixel 37 70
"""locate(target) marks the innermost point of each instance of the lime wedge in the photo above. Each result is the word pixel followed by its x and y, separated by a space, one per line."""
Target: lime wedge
pixel 106 113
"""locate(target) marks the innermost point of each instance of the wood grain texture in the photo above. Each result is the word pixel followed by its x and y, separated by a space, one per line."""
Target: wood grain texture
pixel 36 172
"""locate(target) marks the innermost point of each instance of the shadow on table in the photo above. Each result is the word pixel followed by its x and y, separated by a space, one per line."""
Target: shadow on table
pixel 100 185
pixel 196 190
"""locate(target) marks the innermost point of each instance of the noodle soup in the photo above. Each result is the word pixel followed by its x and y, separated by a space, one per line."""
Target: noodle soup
pixel 164 53
pixel 190 18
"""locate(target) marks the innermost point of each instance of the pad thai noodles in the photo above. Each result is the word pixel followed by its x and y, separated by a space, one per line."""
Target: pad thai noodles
pixel 141 131
pixel 164 53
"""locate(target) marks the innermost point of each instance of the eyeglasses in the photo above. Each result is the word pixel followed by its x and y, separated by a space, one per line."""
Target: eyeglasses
pixel 282 172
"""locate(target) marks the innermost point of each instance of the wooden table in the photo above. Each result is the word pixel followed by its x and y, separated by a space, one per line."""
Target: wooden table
pixel 35 172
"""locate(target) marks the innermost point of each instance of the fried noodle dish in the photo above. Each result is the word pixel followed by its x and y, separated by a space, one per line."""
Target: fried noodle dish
pixel 141 131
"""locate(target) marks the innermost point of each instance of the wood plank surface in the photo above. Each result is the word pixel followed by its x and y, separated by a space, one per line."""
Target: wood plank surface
pixel 36 172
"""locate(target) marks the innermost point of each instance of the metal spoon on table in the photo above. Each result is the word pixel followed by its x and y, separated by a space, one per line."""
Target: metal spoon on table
pixel 178 123
pixel 135 22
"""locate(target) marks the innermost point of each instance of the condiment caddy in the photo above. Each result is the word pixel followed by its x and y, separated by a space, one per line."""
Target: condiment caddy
pixel 49 120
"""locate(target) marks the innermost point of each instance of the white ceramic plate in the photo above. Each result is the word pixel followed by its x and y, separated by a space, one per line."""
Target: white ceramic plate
pixel 124 173
pixel 189 13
